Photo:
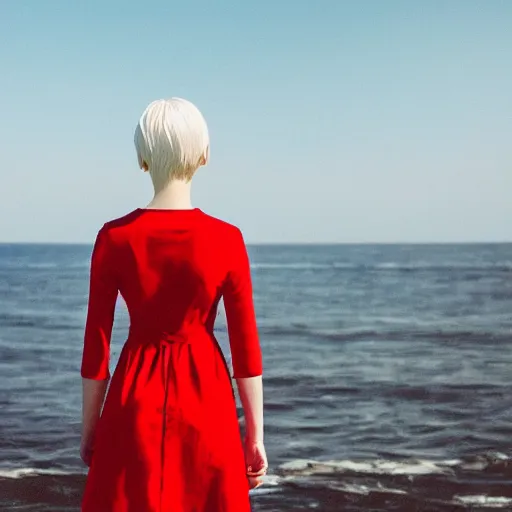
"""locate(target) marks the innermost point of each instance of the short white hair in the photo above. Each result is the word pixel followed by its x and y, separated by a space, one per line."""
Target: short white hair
pixel 172 140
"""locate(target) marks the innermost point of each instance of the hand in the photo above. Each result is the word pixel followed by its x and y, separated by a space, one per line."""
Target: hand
pixel 255 461
pixel 86 450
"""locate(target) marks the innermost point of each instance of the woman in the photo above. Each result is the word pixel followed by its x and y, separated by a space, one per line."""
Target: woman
pixel 168 437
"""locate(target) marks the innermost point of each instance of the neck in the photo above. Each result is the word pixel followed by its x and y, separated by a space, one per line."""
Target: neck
pixel 174 195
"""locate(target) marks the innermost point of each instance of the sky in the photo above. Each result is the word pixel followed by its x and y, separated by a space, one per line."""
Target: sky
pixel 330 121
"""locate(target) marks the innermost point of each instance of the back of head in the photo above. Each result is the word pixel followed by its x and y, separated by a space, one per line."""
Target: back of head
pixel 171 140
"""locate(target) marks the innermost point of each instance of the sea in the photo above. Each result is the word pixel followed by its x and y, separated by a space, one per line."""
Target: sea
pixel 388 376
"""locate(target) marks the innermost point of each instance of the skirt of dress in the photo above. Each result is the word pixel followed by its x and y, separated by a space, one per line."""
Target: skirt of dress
pixel 168 439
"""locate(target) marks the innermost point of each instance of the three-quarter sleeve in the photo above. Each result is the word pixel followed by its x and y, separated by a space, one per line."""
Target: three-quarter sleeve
pixel 241 318
pixel 103 292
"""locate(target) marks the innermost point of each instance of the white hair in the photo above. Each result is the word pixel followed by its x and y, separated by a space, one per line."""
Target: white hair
pixel 172 140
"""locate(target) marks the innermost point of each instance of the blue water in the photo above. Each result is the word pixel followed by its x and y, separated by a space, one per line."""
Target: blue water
pixel 387 375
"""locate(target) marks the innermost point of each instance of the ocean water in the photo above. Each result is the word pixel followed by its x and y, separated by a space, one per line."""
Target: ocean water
pixel 388 376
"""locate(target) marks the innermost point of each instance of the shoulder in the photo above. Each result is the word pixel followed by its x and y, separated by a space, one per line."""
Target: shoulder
pixel 223 227
pixel 120 222
pixel 113 230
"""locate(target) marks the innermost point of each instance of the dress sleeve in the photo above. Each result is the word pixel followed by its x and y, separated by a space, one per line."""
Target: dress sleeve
pixel 240 314
pixel 100 314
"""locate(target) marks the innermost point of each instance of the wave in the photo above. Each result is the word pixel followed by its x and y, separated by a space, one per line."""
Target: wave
pixel 17 473
pixel 491 461
pixel 483 500
pixel 406 333
pixel 305 467
pixel 378 484
pixel 294 468
pixel 505 266
pixel 21 265
pixel 500 266
pixel 33 321
pixel 443 484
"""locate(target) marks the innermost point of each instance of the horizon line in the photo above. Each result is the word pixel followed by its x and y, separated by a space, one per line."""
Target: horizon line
pixel 325 243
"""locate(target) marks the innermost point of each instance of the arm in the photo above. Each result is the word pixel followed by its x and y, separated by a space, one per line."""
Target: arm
pixel 243 338
pixel 93 393
pixel 251 396
pixel 100 317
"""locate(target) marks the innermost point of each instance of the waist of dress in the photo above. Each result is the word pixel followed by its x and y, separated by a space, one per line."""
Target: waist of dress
pixel 191 334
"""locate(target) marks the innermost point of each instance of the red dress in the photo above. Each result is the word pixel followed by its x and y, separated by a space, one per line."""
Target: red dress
pixel 168 438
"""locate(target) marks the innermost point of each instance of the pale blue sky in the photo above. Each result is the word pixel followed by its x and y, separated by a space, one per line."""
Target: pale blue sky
pixel 331 121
